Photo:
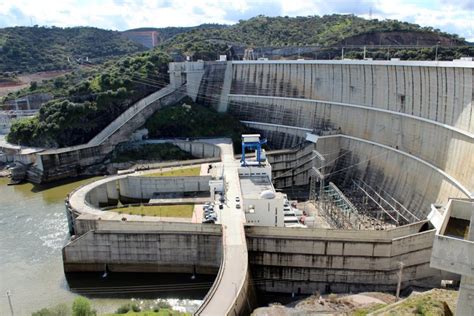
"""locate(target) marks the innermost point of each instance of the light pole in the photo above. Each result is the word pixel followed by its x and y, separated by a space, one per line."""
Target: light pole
pixel 10 302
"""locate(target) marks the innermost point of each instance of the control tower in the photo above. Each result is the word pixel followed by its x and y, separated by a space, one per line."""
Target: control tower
pixel 253 142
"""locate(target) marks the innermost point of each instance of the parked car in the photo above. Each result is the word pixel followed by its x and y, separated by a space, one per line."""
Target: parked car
pixel 211 216
pixel 208 221
pixel 237 199
pixel 237 206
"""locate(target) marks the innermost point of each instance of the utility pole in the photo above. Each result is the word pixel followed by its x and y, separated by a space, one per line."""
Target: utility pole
pixel 399 284
pixel 364 51
pixel 342 54
pixel 10 302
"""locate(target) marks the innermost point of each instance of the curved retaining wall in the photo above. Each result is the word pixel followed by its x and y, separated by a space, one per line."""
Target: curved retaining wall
pixel 440 145
pixel 142 188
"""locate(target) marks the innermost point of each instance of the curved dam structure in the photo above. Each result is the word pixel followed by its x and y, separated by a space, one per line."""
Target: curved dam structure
pixel 419 114
pixel 402 133
pixel 404 128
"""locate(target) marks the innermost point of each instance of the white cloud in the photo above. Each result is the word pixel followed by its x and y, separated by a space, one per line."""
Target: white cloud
pixel 448 15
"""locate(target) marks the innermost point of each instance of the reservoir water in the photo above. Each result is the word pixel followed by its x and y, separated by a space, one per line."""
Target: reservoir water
pixel 33 229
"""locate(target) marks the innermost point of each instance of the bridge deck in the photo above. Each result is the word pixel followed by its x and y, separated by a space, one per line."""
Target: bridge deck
pixel 231 278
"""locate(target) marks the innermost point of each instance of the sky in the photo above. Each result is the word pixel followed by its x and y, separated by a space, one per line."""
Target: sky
pixel 453 16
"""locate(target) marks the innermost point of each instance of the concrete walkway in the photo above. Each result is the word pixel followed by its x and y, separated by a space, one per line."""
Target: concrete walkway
pixel 231 278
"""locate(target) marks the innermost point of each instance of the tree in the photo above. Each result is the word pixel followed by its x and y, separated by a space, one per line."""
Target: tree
pixel 33 85
pixel 82 307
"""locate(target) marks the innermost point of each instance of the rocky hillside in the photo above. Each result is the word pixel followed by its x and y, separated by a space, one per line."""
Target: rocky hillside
pixel 434 302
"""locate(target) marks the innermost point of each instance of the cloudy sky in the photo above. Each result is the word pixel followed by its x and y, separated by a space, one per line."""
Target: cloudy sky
pixel 455 16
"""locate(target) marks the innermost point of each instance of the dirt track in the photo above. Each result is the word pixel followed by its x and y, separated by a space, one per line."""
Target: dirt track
pixel 24 80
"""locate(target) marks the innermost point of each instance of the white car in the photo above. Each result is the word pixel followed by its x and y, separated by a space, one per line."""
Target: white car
pixel 237 206
pixel 237 199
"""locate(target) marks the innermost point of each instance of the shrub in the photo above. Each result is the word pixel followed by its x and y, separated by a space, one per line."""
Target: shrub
pixel 162 304
pixel 127 308
pixel 33 85
pixel 43 312
pixel 82 307
pixel 59 310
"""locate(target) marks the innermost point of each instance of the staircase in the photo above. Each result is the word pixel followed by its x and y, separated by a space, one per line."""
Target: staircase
pixel 129 114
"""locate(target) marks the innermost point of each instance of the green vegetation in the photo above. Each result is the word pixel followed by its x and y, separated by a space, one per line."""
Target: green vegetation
pixel 80 307
pixel 161 312
pixel 9 78
pixel 92 103
pixel 181 210
pixel 161 308
pixel 194 120
pixel 323 31
pixel 367 310
pixel 130 307
pixel 33 49
pixel 166 33
pixel 88 99
pixel 159 152
pixel 180 172
pixel 434 302
pixel 59 310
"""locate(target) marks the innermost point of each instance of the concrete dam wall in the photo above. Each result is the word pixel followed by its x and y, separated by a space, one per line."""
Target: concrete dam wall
pixel 144 247
pixel 398 120
pixel 337 261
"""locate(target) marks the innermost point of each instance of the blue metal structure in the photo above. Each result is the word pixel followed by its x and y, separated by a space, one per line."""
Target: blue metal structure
pixel 252 145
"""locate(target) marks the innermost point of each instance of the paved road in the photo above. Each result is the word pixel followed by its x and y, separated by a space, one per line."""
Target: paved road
pixel 235 262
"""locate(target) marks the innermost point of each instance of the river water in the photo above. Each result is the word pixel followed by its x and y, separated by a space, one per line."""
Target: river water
pixel 33 229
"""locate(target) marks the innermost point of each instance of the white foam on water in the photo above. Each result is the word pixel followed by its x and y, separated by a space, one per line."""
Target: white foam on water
pixel 54 228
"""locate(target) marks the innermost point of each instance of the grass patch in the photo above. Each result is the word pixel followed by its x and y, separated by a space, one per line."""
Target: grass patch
pixel 433 302
pixel 181 210
pixel 366 310
pixel 162 312
pixel 181 172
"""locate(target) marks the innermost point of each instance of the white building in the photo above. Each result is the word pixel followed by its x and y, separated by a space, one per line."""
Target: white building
pixel 263 206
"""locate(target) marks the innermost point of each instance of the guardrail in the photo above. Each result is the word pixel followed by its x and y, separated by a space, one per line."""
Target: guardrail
pixel 217 281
